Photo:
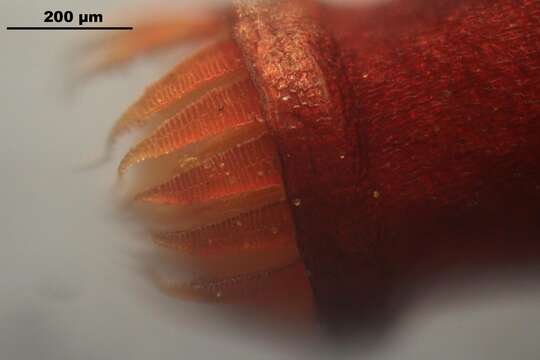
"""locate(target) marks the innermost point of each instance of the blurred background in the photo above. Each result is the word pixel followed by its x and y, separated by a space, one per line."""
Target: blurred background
pixel 71 283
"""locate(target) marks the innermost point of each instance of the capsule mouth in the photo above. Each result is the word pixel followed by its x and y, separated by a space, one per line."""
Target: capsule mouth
pixel 205 180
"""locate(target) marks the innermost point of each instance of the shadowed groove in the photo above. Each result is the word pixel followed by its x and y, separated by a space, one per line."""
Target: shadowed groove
pixel 219 110
pixel 249 166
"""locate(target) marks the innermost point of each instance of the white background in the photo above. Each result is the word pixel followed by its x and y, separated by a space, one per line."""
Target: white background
pixel 70 281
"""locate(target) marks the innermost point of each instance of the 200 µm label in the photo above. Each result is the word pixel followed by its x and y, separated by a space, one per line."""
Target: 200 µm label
pixel 68 17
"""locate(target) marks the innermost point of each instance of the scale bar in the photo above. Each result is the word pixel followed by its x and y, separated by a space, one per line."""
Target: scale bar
pixel 69 28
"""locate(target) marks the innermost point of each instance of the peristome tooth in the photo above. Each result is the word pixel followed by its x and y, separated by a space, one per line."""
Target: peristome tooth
pixel 163 31
pixel 167 217
pixel 221 109
pixel 152 173
pixel 217 64
pixel 260 229
pixel 282 292
pixel 246 167
pixel 232 288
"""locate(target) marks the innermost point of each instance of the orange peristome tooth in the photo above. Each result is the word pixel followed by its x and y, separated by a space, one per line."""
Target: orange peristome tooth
pixel 215 65
pixel 227 288
pixel 261 229
pixel 220 109
pixel 246 167
pixel 249 287
pixel 121 47
pixel 167 217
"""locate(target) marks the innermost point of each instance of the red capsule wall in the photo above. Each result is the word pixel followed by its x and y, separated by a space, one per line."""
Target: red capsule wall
pixel 434 161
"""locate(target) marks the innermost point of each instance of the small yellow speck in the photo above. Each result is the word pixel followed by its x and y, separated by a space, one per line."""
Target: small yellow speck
pixel 187 161
pixel 376 194
pixel 297 202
